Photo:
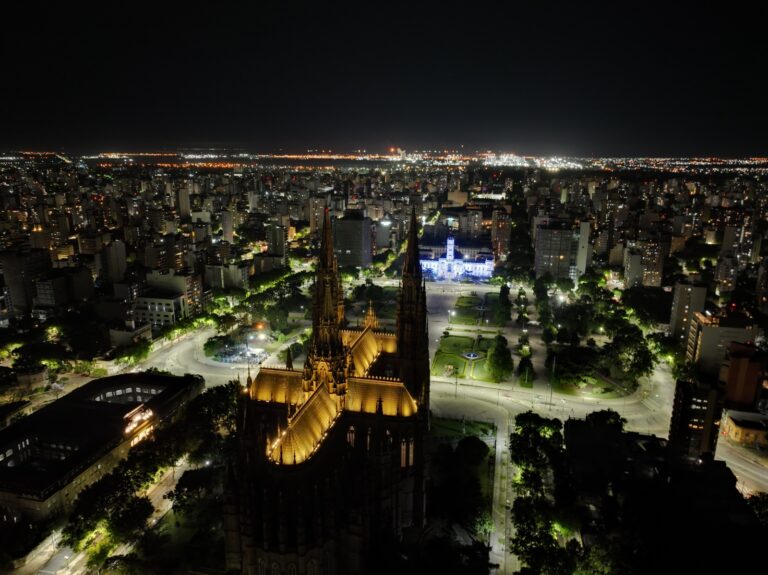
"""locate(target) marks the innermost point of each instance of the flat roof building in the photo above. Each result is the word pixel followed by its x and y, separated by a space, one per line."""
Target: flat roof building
pixel 48 457
pixel 710 336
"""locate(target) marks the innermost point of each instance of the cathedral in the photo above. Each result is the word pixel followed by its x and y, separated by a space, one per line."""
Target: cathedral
pixel 330 471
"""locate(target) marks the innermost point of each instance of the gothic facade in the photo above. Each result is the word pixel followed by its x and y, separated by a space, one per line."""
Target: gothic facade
pixel 330 471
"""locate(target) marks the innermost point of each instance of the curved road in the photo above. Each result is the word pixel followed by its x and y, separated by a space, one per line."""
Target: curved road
pixel 646 411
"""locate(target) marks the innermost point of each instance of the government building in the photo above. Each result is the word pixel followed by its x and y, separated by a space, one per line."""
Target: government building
pixel 454 266
pixel 330 471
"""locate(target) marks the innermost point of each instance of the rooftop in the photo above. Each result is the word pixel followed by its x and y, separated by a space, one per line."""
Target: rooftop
pixel 45 450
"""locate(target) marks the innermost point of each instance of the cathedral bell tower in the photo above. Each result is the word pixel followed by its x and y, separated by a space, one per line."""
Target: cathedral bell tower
pixel 411 330
pixel 327 358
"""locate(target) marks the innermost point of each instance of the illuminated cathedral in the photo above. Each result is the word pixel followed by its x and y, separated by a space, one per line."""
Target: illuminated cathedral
pixel 330 471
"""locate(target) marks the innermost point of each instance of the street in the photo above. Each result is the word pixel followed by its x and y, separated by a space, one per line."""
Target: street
pixel 647 410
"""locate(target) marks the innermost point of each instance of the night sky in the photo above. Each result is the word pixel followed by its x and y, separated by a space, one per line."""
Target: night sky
pixel 610 79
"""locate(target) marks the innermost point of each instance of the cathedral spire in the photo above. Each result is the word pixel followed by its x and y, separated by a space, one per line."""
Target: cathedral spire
pixel 326 350
pixel 411 265
pixel 370 317
pixel 411 328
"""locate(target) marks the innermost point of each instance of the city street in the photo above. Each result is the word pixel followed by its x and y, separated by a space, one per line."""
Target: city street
pixel 647 410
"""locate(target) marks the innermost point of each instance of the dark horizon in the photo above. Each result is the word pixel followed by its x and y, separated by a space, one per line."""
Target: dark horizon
pixel 573 80
pixel 149 151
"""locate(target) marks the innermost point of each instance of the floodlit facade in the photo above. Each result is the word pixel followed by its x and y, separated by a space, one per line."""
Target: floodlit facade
pixel 453 265
pixel 330 468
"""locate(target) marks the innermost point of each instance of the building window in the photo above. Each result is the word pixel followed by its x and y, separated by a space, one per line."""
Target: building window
pixel 351 435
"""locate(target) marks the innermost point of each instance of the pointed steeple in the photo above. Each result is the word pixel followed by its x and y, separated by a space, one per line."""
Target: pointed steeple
pixel 326 345
pixel 370 317
pixel 411 265
pixel 411 327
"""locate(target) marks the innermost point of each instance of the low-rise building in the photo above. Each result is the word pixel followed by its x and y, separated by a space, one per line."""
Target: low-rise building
pixel 746 428
pixel 48 457
pixel 159 308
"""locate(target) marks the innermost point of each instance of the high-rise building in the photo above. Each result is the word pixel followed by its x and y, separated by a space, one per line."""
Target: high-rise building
pixel 554 251
pixel 709 338
pixel 687 300
pixel 633 267
pixel 584 249
pixel 501 234
pixel 114 261
pixel 696 413
pixel 227 227
pixel 352 239
pixel 330 468
pixel 188 284
pixel 726 272
pixel 20 270
pixel 277 241
pixel 742 374
pixel 183 204
pixel 652 259
pixel 315 207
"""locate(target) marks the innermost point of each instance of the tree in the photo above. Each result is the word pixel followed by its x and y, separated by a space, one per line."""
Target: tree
pixel 131 519
pixel 606 419
pixel 564 284
pixel 628 355
pixel 135 353
pixel 277 315
pixel 759 504
pixel 603 558
pixel 499 361
pixel 471 450
pixel 226 322
pixel 484 527
pixel 548 334
pixel 503 309
pixel 525 369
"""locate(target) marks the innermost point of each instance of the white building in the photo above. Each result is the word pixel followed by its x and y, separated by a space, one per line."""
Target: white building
pixel 455 266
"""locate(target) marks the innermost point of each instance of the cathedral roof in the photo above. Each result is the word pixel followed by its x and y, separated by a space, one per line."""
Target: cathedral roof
pixel 363 394
pixel 281 385
pixel 366 345
pixel 307 428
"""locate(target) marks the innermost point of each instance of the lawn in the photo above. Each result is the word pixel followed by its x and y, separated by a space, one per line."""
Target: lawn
pixel 526 384
pixel 450 353
pixel 465 316
pixel 479 372
pixel 491 299
pixel 484 344
pixel 443 359
pixel 466 301
pixel 588 386
pixel 456 344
